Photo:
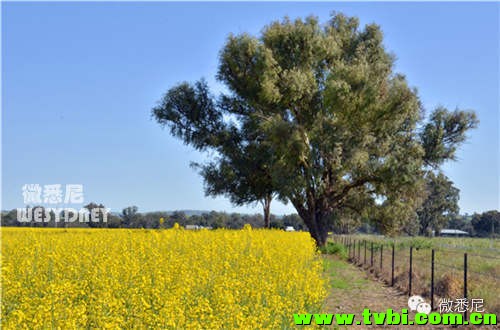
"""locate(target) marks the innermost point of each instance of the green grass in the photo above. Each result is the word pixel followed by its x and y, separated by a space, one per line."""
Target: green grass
pixel 352 290
pixel 340 277
pixel 461 243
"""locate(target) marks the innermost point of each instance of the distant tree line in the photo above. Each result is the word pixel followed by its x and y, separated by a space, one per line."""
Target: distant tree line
pixel 130 217
pixel 486 224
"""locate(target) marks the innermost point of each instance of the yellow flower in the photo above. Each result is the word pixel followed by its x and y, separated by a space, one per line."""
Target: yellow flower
pixel 170 279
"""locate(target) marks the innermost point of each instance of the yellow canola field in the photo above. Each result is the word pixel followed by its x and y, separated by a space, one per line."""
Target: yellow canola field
pixel 120 278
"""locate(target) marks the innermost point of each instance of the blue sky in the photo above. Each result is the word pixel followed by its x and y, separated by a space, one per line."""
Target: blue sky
pixel 79 80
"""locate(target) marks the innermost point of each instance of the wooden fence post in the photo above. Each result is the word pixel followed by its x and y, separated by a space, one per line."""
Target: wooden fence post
pixel 410 271
pixel 392 272
pixel 432 279
pixel 465 282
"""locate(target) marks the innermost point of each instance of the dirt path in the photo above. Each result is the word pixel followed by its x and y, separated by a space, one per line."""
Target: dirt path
pixel 354 290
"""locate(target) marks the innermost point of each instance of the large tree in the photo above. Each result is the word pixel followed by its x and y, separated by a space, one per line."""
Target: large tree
pixel 338 126
pixel 440 206
pixel 440 138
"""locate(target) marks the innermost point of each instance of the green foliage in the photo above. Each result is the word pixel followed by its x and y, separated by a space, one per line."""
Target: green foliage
pixel 315 114
pixel 487 224
pixel 444 133
pixel 192 109
pixel 461 223
pixel 440 206
pixel 130 216
pixel 10 219
pixel 416 242
pixel 293 220
pixel 152 220
pixel 100 224
pixel 334 248
pixel 240 169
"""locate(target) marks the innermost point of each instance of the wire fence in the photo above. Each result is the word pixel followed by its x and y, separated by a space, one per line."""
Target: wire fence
pixel 437 273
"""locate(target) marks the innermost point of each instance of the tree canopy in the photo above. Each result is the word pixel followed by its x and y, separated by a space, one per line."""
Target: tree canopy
pixel 440 206
pixel 338 130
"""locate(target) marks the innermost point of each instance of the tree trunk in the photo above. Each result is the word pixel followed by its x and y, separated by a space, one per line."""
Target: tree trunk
pixel 318 231
pixel 266 205
pixel 316 222
pixel 321 232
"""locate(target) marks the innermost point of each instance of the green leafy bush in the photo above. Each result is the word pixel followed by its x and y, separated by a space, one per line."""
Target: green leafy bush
pixel 334 248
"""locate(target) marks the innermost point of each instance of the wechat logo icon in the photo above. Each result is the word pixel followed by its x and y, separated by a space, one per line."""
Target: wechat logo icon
pixel 417 303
